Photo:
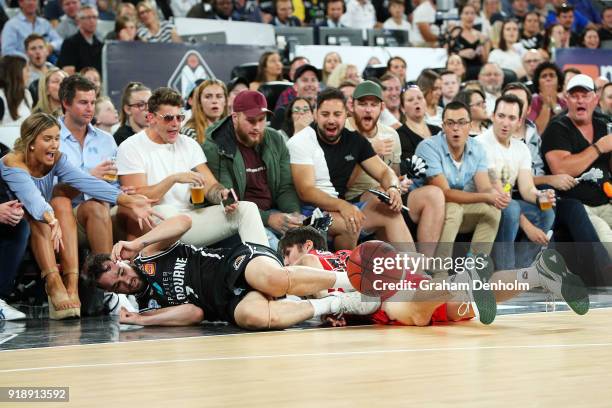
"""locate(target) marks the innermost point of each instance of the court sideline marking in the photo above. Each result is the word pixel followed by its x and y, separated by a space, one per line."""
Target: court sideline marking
pixel 326 354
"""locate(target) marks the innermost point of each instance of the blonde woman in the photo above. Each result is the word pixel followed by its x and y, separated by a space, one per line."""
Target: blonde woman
pixel 342 73
pixel 30 172
pixel 153 30
pixel 209 105
pixel 330 61
pixel 48 92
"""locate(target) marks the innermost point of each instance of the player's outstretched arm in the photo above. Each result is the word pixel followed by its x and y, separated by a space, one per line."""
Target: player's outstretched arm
pixel 159 238
pixel 182 315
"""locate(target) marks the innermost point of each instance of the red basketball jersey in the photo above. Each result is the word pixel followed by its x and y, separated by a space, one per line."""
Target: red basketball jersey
pixel 332 261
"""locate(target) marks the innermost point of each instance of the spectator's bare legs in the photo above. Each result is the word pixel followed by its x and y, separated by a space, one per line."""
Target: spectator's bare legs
pixel 426 206
pixel 342 236
pixel 62 206
pixel 95 217
pixel 42 248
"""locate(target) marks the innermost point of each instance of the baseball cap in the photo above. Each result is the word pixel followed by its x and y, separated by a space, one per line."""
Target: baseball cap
pixel 368 88
pixel 581 81
pixel 251 103
pixel 304 68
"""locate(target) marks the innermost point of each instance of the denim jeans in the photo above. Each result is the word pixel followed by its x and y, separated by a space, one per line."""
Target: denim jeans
pixel 13 243
pixel 504 253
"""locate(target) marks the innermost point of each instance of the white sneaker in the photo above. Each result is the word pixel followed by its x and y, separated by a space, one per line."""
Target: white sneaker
pixel 8 312
pixel 555 277
pixel 355 303
pixel 115 301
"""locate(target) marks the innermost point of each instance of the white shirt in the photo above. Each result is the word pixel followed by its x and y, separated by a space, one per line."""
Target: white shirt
pixel 424 13
pixel 514 158
pixel 23 110
pixel 390 24
pixel 304 148
pixel 139 154
pixel 359 15
pixel 510 59
pixel 387 119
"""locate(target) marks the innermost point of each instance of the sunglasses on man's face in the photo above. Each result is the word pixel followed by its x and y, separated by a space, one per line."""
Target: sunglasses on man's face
pixel 169 118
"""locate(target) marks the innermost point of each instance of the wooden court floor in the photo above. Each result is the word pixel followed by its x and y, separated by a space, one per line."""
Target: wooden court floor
pixel 530 360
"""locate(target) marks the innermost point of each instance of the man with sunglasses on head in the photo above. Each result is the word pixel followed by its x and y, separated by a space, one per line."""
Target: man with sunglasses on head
pixel 458 165
pixel 164 165
pixel 577 143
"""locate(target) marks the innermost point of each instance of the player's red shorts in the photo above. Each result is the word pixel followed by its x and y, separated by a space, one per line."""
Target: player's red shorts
pixel 439 315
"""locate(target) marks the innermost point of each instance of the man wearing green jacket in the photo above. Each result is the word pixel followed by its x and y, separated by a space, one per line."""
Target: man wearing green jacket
pixel 251 158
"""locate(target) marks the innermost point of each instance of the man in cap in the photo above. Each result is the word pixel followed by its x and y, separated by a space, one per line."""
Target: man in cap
pixel 253 159
pixel 306 85
pixel 577 143
pixel 426 204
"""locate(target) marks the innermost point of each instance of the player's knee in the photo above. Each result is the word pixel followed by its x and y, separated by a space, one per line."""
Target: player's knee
pixel 275 281
pixel 255 317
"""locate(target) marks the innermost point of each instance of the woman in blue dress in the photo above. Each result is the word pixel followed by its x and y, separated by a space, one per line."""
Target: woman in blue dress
pixel 31 172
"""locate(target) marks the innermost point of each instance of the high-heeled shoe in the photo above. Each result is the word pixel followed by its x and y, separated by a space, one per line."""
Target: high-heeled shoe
pixel 72 289
pixel 57 298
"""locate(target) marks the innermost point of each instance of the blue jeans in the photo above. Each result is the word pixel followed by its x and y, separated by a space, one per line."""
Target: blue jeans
pixel 13 243
pixel 504 253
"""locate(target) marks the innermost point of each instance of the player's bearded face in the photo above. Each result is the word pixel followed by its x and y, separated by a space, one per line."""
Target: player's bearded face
pixel 122 277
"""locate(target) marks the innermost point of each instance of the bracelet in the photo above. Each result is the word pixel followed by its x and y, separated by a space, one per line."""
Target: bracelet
pixel 599 152
pixel 395 187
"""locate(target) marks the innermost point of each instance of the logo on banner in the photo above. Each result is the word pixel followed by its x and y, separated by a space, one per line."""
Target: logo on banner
pixel 191 68
pixel 149 269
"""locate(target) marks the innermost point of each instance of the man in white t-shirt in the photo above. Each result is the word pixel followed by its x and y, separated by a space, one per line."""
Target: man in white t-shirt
pixel 162 164
pixel 509 163
pixel 424 31
pixel 359 14
pixel 426 204
pixel 397 21
pixel 323 157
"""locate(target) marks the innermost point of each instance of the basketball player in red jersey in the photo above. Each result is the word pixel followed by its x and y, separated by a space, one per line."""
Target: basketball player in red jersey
pixel 305 246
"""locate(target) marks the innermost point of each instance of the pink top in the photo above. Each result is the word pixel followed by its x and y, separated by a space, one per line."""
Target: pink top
pixel 536 106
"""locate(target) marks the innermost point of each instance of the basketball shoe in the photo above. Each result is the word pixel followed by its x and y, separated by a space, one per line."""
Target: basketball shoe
pixel 555 277
pixel 482 300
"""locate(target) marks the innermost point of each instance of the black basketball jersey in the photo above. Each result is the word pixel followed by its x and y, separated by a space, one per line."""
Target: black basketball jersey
pixel 181 274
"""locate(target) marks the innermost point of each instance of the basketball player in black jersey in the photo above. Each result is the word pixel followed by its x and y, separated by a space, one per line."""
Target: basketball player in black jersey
pixel 238 285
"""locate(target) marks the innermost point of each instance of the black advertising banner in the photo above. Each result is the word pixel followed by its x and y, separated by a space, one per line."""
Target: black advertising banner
pixel 174 65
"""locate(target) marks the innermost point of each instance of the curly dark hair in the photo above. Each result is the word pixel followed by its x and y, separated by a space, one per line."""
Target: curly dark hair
pixel 538 71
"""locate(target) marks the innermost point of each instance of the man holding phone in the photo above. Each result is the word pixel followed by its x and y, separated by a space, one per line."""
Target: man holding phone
pixel 163 164
pixel 253 160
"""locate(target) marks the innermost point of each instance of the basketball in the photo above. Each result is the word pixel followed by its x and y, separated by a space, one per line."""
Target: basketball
pixel 371 267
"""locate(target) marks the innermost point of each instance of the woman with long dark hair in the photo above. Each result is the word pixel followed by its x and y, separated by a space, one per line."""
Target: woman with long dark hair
pixel 14 96
pixel 297 116
pixel 270 69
